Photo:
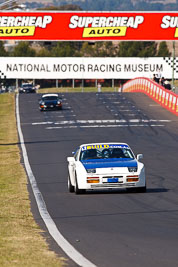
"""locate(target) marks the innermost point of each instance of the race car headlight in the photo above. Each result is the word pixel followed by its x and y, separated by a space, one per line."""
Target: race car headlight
pixel 132 169
pixel 91 170
pixel 58 102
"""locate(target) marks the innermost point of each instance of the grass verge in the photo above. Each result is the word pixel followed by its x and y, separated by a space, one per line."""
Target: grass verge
pixel 21 242
pixel 76 90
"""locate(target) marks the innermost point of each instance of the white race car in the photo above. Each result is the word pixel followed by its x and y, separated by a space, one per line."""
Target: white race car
pixel 105 165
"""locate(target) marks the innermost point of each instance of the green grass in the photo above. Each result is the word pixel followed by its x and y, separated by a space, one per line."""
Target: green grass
pixel 21 241
pixel 76 90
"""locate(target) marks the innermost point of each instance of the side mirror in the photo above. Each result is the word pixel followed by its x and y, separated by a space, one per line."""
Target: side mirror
pixel 70 159
pixel 139 157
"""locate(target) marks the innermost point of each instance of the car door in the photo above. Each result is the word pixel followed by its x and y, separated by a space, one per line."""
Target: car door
pixel 72 166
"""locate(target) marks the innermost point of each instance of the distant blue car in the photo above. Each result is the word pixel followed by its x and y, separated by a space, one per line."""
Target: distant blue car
pixel 27 88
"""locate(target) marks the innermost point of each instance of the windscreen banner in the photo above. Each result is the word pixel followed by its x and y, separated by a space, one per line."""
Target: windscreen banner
pixel 86 67
pixel 88 26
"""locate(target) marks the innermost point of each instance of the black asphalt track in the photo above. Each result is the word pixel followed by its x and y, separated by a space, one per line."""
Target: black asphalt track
pixel 110 228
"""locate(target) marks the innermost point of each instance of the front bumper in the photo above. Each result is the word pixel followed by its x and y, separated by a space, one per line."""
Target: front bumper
pixel 50 107
pixel 129 180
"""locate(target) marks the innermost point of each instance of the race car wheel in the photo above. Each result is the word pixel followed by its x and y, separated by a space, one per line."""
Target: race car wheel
pixel 76 189
pixel 70 186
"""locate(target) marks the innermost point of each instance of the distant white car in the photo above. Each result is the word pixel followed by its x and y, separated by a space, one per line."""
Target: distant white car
pixel 105 165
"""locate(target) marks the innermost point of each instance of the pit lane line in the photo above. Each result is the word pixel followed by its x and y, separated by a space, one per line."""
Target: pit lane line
pixel 77 257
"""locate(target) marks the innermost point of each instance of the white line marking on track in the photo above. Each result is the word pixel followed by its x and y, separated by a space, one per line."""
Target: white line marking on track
pixel 155 105
pixel 103 126
pixel 77 257
pixel 124 110
pixel 98 121
pixel 42 123
pixel 69 115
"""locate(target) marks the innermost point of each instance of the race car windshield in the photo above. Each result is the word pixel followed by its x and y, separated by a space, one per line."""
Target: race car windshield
pixel 107 153
pixel 27 85
pixel 50 98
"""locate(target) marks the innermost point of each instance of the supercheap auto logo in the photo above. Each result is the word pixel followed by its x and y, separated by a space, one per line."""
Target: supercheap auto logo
pixel 170 22
pixel 105 26
pixel 22 25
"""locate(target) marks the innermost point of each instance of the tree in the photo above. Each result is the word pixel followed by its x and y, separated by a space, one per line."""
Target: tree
pixel 137 49
pixel 147 49
pixel 43 53
pixel 98 49
pixel 87 50
pixel 63 49
pixel 163 50
pixel 23 49
pixel 3 52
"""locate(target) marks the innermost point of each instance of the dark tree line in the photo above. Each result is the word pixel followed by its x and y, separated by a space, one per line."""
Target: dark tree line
pixel 85 49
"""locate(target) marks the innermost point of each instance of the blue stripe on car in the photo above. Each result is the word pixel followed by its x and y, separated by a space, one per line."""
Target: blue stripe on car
pixel 108 163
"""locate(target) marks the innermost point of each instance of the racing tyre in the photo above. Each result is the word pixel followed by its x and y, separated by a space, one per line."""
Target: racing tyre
pixel 76 189
pixel 70 186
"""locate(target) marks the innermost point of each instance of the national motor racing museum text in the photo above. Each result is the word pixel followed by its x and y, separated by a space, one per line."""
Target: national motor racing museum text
pixel 84 68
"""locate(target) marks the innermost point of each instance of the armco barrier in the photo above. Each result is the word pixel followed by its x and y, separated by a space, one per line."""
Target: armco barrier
pixel 158 93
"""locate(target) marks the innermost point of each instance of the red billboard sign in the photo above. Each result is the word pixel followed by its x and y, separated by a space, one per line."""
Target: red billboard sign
pixel 85 26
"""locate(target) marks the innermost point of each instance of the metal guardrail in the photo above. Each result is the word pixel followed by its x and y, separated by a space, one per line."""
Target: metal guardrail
pixel 166 98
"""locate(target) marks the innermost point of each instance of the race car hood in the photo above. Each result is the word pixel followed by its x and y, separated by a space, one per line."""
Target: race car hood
pixel 108 163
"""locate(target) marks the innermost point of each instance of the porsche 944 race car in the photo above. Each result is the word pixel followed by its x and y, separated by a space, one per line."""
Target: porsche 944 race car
pixel 27 88
pixel 49 102
pixel 105 165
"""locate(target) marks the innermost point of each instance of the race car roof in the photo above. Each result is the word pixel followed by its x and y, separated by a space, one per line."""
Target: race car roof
pixel 50 95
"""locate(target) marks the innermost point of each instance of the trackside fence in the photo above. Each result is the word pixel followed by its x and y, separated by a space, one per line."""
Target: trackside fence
pixel 158 93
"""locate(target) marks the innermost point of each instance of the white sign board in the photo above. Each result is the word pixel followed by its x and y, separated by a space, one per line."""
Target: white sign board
pixel 84 67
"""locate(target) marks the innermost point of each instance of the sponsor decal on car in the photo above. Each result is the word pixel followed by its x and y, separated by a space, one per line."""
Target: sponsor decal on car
pixel 103 146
